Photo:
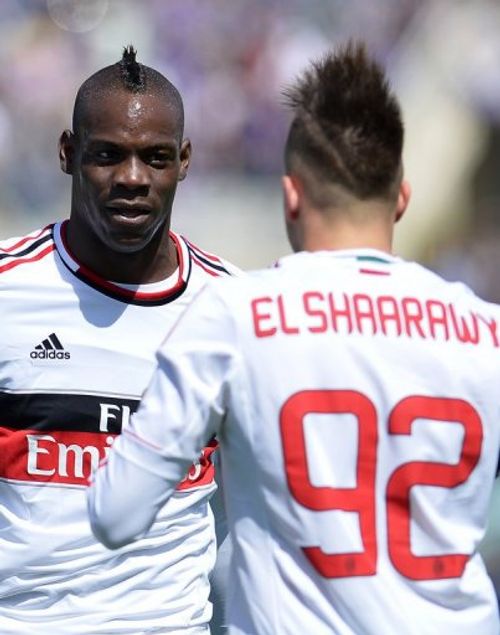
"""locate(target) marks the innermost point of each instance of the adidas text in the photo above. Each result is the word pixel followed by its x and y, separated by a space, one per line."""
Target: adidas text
pixel 43 354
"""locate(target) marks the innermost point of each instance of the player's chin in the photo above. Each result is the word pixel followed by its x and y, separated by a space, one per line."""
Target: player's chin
pixel 130 238
pixel 129 244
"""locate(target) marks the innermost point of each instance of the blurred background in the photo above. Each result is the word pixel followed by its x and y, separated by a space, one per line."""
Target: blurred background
pixel 230 60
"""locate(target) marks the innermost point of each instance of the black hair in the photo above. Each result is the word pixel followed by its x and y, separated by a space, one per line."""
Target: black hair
pixel 132 72
pixel 127 75
pixel 347 127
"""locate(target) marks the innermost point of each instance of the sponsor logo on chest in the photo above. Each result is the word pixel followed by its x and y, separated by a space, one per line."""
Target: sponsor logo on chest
pixel 61 439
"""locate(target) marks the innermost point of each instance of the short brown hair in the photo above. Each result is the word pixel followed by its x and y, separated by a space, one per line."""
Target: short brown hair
pixel 347 128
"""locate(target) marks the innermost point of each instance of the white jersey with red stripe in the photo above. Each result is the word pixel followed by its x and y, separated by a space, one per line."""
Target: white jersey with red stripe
pixel 355 396
pixel 76 353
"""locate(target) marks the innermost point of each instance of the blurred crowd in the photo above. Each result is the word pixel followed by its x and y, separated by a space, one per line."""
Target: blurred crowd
pixel 230 60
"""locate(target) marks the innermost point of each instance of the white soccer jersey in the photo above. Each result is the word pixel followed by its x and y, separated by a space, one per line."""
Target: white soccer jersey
pixel 355 397
pixel 76 353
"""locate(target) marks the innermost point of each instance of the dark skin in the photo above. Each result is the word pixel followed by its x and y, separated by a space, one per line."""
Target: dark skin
pixel 125 159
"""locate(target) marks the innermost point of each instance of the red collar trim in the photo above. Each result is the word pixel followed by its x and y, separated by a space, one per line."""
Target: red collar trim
pixel 113 288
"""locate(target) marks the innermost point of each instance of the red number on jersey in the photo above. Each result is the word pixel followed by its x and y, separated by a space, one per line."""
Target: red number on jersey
pixel 428 473
pixel 361 499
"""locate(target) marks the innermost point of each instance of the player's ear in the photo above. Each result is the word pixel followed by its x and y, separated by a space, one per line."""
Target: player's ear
pixel 185 158
pixel 403 199
pixel 291 198
pixel 66 151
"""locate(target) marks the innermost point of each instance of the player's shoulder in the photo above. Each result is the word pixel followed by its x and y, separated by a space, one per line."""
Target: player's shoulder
pixel 17 252
pixel 14 244
pixel 206 261
pixel 246 283
pixel 428 277
pixel 454 292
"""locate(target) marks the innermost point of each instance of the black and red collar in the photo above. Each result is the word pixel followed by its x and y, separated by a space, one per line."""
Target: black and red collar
pixel 147 294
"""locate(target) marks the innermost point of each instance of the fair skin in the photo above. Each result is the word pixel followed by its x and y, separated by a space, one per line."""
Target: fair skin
pixel 355 224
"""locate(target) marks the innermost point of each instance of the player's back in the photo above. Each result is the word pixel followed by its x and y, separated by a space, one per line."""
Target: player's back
pixel 359 459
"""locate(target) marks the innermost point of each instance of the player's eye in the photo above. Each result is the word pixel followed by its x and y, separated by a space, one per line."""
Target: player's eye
pixel 159 159
pixel 101 155
pixel 106 155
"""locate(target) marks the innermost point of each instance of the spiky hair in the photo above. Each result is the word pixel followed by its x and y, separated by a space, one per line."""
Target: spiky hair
pixel 347 127
pixel 132 71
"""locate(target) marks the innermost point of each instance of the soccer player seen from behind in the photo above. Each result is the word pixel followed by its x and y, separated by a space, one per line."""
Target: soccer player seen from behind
pixel 85 303
pixel 355 396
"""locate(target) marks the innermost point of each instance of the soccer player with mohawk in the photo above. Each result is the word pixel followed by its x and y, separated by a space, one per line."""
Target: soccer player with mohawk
pixel 85 303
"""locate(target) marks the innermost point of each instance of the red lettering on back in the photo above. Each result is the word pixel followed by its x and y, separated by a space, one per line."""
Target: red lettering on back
pixel 337 312
pixel 492 327
pixel 289 330
pixel 260 317
pixel 465 332
pixel 307 299
pixel 389 314
pixel 436 314
pixel 412 314
pixel 364 313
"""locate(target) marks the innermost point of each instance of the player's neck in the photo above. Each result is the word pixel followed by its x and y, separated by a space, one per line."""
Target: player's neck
pixel 155 262
pixel 360 226
pixel 348 236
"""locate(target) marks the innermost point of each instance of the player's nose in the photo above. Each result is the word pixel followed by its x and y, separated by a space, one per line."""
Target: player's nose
pixel 131 173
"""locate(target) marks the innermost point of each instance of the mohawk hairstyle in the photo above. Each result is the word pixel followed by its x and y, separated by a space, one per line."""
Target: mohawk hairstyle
pixel 347 127
pixel 132 72
pixel 129 75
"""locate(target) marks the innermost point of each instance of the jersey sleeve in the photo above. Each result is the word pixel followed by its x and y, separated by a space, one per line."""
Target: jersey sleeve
pixel 181 410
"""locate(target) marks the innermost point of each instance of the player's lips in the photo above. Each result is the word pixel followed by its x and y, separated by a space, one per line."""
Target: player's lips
pixel 128 213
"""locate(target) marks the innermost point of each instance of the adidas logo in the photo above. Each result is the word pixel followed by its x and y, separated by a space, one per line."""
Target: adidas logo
pixel 50 348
